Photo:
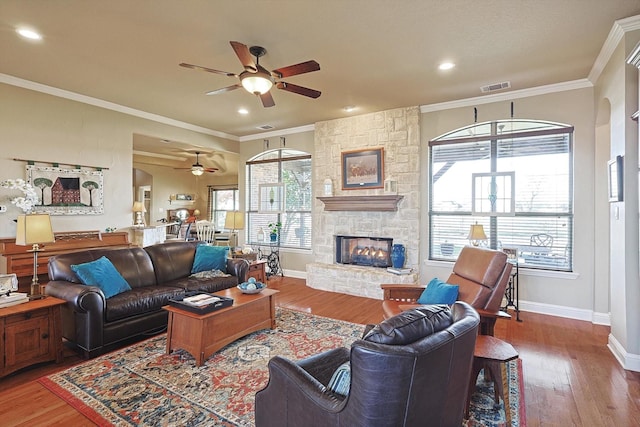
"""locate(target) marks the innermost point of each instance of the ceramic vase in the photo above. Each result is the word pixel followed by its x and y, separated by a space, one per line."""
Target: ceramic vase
pixel 273 237
pixel 398 255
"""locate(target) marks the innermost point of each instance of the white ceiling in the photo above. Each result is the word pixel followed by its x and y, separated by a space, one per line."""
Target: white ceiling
pixel 373 54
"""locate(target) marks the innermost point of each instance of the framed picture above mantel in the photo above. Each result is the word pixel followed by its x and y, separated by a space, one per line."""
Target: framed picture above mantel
pixel 363 169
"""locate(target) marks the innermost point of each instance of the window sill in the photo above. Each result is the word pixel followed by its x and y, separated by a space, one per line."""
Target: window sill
pixel 523 271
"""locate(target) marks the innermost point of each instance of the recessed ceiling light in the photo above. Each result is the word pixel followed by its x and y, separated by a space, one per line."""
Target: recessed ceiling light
pixel 28 33
pixel 349 108
pixel 446 66
pixel 243 111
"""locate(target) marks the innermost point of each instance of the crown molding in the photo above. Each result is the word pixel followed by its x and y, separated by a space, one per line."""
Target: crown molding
pixel 507 96
pixel 620 27
pixel 61 93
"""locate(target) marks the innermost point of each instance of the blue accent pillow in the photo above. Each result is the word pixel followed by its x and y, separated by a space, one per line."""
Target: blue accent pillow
pixel 439 292
pixel 340 382
pixel 210 258
pixel 103 274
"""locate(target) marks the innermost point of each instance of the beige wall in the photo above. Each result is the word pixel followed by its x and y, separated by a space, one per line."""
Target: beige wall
pixel 47 128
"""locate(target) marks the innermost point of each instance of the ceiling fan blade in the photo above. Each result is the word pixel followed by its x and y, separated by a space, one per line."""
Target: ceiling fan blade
pixel 294 70
pixel 224 89
pixel 267 100
pixel 209 70
pixel 311 93
pixel 243 54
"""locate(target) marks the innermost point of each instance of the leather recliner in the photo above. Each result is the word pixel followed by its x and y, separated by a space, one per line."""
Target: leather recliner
pixel 410 370
pixel 482 276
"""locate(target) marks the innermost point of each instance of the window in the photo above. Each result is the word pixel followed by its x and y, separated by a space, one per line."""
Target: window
pixel 539 156
pixel 221 202
pixel 283 175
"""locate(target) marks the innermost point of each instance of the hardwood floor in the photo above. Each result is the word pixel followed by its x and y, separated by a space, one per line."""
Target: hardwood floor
pixel 571 378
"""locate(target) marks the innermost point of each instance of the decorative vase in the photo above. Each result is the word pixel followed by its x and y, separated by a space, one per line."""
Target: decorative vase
pixel 273 237
pixel 398 255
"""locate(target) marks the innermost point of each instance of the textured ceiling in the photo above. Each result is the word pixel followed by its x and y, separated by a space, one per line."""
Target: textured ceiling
pixel 373 54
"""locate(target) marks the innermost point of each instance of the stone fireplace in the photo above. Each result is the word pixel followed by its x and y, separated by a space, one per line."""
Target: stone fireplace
pixel 398 132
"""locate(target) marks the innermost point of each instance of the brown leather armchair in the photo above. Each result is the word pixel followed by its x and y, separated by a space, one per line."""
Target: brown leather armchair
pixel 410 370
pixel 482 276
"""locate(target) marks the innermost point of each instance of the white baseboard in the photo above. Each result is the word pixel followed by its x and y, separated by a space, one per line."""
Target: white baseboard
pixel 628 361
pixel 566 312
pixel 296 274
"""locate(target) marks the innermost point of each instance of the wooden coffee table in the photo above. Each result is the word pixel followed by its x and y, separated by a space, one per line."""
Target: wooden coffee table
pixel 204 334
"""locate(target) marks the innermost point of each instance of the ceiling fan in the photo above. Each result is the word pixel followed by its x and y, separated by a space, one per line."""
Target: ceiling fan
pixel 257 80
pixel 197 169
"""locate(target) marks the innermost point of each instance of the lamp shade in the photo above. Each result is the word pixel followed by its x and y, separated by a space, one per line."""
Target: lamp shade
pixel 476 234
pixel 34 228
pixel 138 207
pixel 257 83
pixel 234 221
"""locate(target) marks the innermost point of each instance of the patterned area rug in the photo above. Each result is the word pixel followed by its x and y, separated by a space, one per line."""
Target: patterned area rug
pixel 141 385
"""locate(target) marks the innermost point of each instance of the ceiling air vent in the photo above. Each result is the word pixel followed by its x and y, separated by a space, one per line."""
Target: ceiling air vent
pixel 495 86
pixel 265 127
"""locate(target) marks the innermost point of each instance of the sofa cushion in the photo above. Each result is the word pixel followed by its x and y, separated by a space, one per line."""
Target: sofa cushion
pixel 140 301
pixel 439 292
pixel 210 258
pixel 411 325
pixel 189 284
pixel 103 274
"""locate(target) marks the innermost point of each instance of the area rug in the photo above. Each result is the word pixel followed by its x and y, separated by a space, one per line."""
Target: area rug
pixel 141 385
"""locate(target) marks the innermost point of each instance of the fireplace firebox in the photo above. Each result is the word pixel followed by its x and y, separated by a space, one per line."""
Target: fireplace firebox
pixel 367 251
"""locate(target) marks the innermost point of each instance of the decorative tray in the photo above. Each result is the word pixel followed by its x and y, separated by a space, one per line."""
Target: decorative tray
pixel 206 306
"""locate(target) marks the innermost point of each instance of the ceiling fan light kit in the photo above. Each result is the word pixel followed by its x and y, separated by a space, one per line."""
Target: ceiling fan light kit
pixel 257 80
pixel 197 169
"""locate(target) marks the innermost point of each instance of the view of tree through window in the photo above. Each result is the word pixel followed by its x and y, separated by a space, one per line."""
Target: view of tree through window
pixel 540 156
pixel 293 169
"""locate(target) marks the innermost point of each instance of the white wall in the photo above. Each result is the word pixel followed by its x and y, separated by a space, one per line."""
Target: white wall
pixel 46 128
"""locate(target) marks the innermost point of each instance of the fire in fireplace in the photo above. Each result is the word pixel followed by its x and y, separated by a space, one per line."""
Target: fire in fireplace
pixel 368 251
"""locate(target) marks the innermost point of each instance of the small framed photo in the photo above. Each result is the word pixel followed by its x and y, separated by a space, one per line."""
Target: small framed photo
pixel 363 169
pixel 615 179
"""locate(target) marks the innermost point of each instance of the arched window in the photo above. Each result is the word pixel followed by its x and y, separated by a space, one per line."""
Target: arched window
pixel 513 177
pixel 279 190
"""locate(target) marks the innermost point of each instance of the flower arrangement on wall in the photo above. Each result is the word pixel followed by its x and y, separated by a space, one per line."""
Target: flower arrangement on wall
pixel 28 200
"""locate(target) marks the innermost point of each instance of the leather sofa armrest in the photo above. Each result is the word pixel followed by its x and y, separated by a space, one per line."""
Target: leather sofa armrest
pixel 322 366
pixel 238 267
pixel 80 298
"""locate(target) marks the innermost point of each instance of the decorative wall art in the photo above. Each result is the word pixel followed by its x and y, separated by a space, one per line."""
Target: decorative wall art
pixel 67 191
pixel 363 169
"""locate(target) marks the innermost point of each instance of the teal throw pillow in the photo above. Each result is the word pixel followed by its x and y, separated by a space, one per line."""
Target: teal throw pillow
pixel 103 274
pixel 210 258
pixel 340 382
pixel 439 292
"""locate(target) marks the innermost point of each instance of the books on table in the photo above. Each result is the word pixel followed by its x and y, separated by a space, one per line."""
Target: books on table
pixel 201 300
pixel 395 270
pixel 13 298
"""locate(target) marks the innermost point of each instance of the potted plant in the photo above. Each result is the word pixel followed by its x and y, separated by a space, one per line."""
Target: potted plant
pixel 274 230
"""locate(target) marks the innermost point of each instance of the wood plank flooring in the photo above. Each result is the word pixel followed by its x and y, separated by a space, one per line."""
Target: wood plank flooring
pixel 570 376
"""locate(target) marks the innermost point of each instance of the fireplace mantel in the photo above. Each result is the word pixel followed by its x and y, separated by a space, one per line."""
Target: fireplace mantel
pixel 361 203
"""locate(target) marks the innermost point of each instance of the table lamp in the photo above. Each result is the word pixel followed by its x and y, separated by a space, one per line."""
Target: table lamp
pixel 139 209
pixel 234 221
pixel 34 229
pixel 476 234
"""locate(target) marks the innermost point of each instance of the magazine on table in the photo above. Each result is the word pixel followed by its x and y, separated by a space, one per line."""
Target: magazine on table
pixel 201 300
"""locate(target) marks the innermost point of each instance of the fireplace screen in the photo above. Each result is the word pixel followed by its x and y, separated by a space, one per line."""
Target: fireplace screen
pixel 369 251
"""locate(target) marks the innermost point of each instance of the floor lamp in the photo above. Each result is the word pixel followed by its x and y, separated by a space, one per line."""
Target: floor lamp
pixel 34 229
pixel 234 221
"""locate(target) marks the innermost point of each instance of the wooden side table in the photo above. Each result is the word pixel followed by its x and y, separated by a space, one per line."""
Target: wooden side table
pixel 492 354
pixel 32 333
pixel 257 270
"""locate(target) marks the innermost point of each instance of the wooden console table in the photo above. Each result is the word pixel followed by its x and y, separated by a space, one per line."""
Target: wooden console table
pixel 15 258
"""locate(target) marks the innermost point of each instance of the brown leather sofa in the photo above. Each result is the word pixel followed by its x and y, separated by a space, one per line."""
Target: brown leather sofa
pixel 156 274
pixel 410 370
pixel 482 276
